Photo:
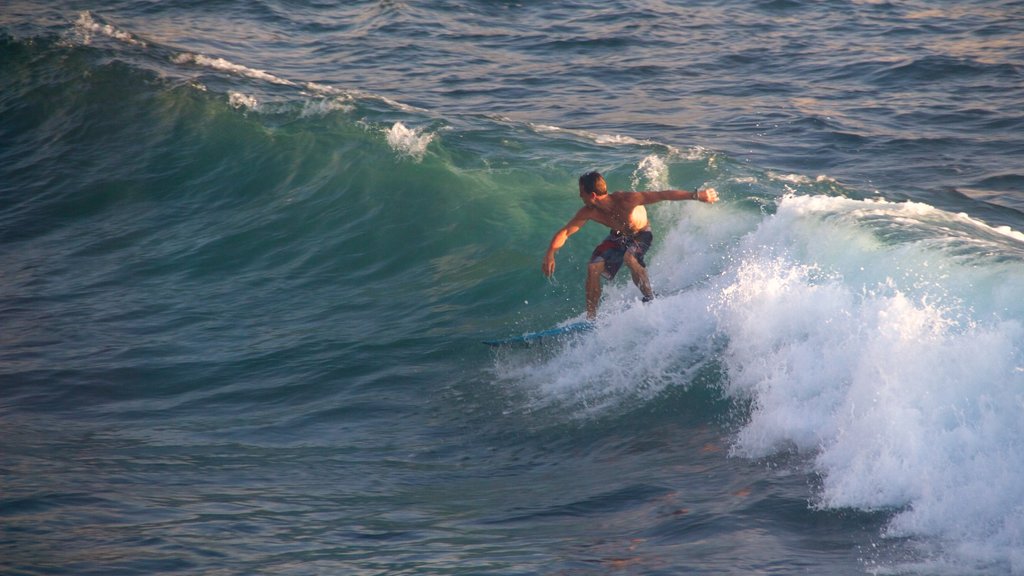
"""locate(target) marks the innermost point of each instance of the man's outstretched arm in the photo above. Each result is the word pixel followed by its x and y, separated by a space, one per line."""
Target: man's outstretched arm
pixel 708 195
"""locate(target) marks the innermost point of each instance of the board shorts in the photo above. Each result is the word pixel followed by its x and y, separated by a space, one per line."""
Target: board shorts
pixel 613 249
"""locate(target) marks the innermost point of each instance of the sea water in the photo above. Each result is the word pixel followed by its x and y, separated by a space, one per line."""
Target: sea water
pixel 248 251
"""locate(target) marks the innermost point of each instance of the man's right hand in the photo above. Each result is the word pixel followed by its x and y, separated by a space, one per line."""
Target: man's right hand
pixel 548 267
pixel 709 195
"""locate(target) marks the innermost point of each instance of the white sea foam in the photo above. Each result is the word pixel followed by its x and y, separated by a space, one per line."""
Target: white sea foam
pixel 239 100
pixel 799 179
pixel 666 341
pixel 408 141
pixel 230 67
pixel 325 99
pixel 890 366
pixel 86 26
pixel 598 138
pixel 617 139
pixel 651 174
pixel 885 341
pixel 348 95
pixel 324 106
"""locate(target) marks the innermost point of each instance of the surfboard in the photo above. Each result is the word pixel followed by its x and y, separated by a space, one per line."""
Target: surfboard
pixel 531 338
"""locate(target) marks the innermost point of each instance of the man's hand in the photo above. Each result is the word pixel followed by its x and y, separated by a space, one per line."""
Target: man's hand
pixel 709 195
pixel 548 267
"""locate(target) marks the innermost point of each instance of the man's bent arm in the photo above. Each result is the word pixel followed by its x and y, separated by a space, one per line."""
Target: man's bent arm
pixel 558 240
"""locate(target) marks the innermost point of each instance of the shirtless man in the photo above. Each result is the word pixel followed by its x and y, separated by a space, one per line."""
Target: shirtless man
pixel 630 237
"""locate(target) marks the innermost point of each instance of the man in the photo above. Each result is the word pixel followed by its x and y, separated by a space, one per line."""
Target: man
pixel 630 237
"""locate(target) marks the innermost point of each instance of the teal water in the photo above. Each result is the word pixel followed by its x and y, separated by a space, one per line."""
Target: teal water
pixel 248 254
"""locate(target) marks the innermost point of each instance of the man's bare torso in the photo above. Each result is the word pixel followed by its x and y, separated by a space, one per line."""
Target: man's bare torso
pixel 619 211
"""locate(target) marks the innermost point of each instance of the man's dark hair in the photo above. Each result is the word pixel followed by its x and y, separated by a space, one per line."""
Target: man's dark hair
pixel 593 183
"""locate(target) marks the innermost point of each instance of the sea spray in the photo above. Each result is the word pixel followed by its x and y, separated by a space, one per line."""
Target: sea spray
pixel 843 325
pixel 409 142
pixel 239 100
pixel 868 360
pixel 651 173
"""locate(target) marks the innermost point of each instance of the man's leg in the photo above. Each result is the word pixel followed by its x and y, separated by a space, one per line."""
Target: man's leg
pixel 594 271
pixel 639 274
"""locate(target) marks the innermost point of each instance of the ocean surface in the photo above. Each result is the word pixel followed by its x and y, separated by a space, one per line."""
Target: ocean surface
pixel 249 251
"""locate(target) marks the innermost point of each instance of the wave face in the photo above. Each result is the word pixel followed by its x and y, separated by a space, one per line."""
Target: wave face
pixel 243 296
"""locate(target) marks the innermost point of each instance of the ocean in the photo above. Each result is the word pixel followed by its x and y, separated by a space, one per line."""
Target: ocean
pixel 249 252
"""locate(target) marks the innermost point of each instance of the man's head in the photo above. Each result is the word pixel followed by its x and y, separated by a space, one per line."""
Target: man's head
pixel 592 184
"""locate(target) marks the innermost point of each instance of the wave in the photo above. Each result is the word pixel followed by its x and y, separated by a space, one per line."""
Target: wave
pixel 890 351
pixel 879 339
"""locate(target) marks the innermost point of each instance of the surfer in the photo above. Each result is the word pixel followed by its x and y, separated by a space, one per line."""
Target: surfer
pixel 630 236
